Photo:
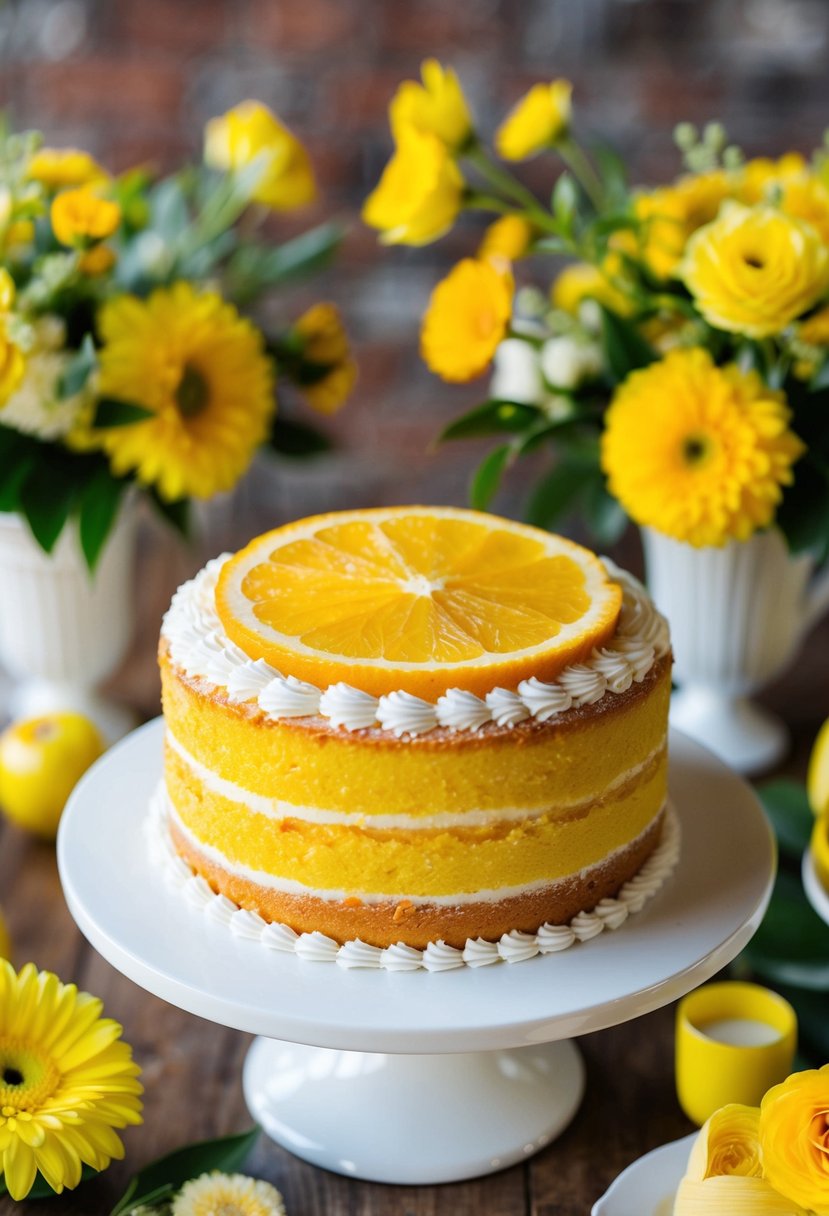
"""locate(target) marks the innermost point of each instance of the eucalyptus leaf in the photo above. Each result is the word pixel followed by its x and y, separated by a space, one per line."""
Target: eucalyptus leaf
pixel 254 267
pixel 787 806
pixel 78 369
pixel 487 477
pixel 493 417
pixel 792 944
pixel 299 439
pixel 111 411
pixel 168 1174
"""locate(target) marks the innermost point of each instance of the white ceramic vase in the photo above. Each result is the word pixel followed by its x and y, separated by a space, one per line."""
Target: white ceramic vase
pixel 63 631
pixel 737 616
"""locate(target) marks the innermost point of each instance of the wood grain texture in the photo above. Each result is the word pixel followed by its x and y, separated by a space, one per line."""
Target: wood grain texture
pixel 192 1068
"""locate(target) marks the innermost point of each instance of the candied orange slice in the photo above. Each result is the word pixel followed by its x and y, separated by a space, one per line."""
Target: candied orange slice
pixel 416 598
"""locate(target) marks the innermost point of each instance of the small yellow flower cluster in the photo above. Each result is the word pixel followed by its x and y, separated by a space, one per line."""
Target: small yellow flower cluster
pixel 772 1160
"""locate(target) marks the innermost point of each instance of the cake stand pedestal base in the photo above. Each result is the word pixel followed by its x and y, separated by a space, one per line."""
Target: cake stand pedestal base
pixel 413 1119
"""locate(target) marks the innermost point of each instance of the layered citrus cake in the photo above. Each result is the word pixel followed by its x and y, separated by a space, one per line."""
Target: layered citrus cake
pixel 414 725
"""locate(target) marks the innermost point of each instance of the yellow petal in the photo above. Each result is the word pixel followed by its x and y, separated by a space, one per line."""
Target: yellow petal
pixel 730 1195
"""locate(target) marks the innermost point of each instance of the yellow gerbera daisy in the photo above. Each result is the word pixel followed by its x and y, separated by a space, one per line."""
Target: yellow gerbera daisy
pixel 467 317
pixel 325 343
pixel 697 451
pixel 66 1080
pixel 202 371
pixel 218 1194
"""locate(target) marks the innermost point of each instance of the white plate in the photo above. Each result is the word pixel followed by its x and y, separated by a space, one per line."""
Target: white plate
pixel 707 911
pixel 647 1187
pixel 813 887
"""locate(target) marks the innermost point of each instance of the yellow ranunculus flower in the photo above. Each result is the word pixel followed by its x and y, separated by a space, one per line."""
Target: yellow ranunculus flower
pixel 670 214
pixel 419 195
pixel 583 281
pixel 508 237
pixel 466 319
pixel 80 217
pixel 325 342
pixel 754 179
pixel 63 168
pixel 437 107
pixel 814 331
pixel 539 120
pixel 725 1173
pixel 754 270
pixel 696 451
pixel 250 131
pixel 794 1138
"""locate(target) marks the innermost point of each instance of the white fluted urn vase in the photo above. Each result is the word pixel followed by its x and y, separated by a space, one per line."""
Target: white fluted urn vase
pixel 737 616
pixel 63 631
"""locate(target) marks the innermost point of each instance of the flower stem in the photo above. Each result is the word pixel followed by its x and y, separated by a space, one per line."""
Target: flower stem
pixel 583 171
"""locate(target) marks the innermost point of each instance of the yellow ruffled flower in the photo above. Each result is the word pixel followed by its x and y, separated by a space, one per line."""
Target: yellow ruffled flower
pixel 814 331
pixel 670 214
pixel 251 131
pixel 216 1194
pixel 696 451
pixel 419 194
pixel 466 319
pixel 754 180
pixel 202 371
pixel 794 1138
pixel 67 1080
pixel 437 107
pixel 80 217
pixel 754 270
pixel 63 168
pixel 508 237
pixel 583 281
pixel 540 120
pixel 325 342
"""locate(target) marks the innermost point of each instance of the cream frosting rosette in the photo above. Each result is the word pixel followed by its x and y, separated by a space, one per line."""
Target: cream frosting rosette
pixel 725 1171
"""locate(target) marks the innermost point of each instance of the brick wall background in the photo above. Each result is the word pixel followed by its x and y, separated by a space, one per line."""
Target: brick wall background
pixel 135 80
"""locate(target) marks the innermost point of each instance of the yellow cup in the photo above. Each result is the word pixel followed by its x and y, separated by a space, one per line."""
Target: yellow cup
pixel 733 1042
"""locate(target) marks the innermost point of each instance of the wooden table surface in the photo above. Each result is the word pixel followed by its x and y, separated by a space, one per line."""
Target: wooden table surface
pixel 192 1068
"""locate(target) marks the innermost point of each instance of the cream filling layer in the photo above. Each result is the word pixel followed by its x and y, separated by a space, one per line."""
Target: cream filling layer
pixel 290 886
pixel 275 808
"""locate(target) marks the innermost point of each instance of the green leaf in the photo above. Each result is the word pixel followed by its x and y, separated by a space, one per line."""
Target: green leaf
pixel 99 503
pixel 168 1174
pixel 299 439
pixel 254 267
pixel 552 244
pixel 787 806
pixel 803 515
pixel 493 417
pixel 555 495
pixel 48 495
pixel 169 210
pixel 78 369
pixel 17 457
pixel 612 171
pixel 624 347
pixel 605 517
pixel 792 944
pixel 487 477
pixel 565 200
pixel 111 411
pixel 176 513
pixel 820 380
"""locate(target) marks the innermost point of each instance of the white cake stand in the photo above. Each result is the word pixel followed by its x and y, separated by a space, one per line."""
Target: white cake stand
pixel 816 895
pixel 414 1077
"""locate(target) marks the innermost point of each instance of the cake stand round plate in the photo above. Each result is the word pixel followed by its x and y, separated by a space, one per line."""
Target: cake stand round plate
pixel 649 1185
pixel 815 891
pixel 491 1080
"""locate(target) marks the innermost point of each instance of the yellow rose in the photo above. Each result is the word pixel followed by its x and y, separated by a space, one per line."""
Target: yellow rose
pixel 794 1138
pixel 466 319
pixel 437 107
pixel 62 168
pixel 250 131
pixel 419 195
pixel 81 216
pixel 539 120
pixel 724 1173
pixel 754 270
pixel 508 237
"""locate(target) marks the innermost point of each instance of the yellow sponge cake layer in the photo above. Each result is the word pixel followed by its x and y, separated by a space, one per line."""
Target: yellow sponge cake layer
pixel 306 762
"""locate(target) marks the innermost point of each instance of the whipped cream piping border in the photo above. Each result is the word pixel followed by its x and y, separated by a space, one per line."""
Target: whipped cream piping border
pixel 513 947
pixel 193 631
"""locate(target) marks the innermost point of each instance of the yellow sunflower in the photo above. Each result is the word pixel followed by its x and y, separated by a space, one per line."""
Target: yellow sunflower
pixel 218 1194
pixel 66 1080
pixel 697 451
pixel 466 319
pixel 202 371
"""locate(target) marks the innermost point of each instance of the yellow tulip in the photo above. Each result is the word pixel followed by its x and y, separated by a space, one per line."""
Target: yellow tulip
pixel 508 237
pixel 437 107
pixel 251 131
pixel 61 168
pixel 754 270
pixel 540 120
pixel 466 319
pixel 419 195
pixel 794 1138
pixel 80 217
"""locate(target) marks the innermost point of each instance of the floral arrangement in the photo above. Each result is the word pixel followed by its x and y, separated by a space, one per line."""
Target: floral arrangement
pixel 678 366
pixel 769 1159
pixel 125 357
